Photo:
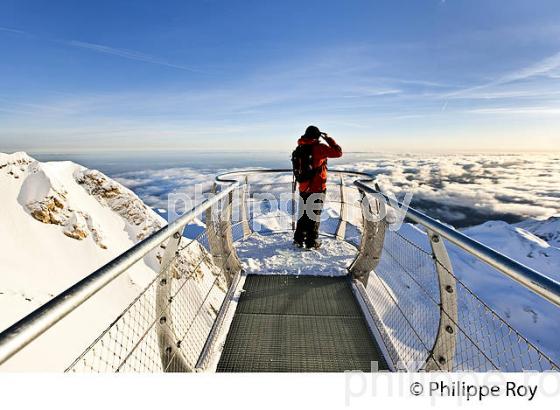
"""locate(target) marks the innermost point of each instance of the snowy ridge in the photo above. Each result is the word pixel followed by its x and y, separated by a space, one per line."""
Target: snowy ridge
pixel 59 223
pixel 548 230
pixel 523 245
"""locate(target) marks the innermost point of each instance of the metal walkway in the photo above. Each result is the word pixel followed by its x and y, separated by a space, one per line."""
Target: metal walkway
pixel 298 324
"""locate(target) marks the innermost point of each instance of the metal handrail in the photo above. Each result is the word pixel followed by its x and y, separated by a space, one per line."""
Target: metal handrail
pixel 230 176
pixel 536 282
pixel 23 332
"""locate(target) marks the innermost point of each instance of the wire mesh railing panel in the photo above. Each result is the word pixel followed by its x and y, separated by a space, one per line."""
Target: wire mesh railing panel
pixel 403 295
pixel 398 333
pixel 144 357
pixel 132 343
pixel 404 291
pixel 195 306
pixel 114 346
pixel 497 341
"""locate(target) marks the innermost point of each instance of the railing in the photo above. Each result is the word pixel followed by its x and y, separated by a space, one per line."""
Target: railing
pixel 424 309
pixel 168 322
pixel 416 287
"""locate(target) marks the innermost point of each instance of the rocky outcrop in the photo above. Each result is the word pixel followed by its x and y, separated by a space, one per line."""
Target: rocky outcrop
pixel 49 210
pixel 47 200
pixel 44 196
pixel 76 227
pixel 121 200
pixel 15 164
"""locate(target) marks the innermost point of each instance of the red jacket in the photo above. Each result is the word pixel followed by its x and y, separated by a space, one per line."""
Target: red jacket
pixel 320 153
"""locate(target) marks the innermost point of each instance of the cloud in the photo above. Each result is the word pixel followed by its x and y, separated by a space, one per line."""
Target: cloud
pixel 542 67
pixel 372 93
pixel 462 190
pixel 546 66
pixel 12 30
pixel 469 189
pixel 154 186
pixel 517 111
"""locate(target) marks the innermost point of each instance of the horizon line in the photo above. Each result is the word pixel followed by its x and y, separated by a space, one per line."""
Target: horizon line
pixel 51 151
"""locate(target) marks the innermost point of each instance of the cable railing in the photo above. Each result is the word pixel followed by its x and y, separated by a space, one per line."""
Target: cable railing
pixel 426 312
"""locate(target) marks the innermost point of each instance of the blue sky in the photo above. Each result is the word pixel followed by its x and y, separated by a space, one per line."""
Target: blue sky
pixel 425 75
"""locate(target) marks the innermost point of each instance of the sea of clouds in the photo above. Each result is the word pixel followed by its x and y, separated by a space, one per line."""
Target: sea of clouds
pixel 462 190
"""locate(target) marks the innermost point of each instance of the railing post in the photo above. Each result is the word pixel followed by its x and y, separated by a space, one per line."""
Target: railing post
pixel 244 209
pixel 341 228
pixel 443 350
pixel 220 238
pixel 231 262
pixel 172 358
pixel 371 243
pixel 295 205
pixel 214 241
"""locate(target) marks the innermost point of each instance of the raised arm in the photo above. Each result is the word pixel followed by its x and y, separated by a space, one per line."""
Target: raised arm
pixel 332 150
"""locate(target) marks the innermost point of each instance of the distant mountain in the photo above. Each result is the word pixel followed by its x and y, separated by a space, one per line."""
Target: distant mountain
pixel 548 230
pixel 533 243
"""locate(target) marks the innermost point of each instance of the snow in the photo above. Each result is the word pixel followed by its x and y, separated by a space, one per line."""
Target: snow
pixel 521 245
pixel 275 254
pixel 548 230
pixel 59 223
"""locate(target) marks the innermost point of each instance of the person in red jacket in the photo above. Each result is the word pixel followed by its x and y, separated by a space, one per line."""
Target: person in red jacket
pixel 307 229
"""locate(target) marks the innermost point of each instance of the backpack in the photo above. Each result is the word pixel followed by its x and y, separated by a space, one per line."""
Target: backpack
pixel 302 163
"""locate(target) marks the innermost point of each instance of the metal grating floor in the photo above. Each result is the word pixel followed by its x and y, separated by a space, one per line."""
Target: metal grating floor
pixel 298 324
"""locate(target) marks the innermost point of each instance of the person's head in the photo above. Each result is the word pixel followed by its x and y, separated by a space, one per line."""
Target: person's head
pixel 312 133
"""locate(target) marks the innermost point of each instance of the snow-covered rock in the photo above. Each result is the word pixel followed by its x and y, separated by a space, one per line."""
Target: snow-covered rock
pixel 14 164
pixel 123 201
pixel 548 229
pixel 60 222
pixel 521 245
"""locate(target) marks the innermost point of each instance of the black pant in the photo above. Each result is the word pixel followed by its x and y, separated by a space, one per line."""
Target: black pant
pixel 307 229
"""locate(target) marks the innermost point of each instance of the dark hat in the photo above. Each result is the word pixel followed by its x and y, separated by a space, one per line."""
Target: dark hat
pixel 312 132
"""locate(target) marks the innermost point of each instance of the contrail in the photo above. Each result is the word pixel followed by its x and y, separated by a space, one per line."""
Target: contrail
pixel 545 66
pixel 124 53
pixel 104 49
pixel 12 30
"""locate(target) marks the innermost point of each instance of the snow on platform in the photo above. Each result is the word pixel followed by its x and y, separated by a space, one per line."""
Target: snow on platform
pixel 275 254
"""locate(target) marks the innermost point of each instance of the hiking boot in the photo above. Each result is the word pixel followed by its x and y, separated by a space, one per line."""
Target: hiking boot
pixel 313 245
pixel 298 244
